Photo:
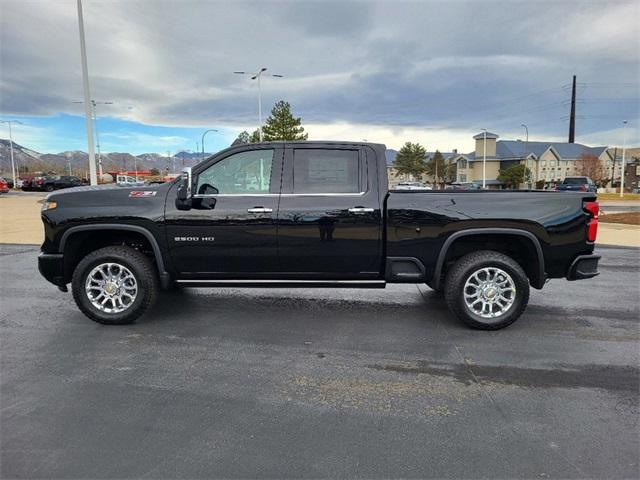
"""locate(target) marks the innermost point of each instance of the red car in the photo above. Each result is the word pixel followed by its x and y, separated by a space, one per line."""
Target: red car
pixel 4 186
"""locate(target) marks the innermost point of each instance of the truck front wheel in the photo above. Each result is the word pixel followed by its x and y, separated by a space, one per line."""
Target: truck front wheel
pixel 114 285
pixel 487 290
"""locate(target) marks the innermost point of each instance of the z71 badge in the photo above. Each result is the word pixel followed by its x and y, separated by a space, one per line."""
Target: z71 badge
pixel 143 193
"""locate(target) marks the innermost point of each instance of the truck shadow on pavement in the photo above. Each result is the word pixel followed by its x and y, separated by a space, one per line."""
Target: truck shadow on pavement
pixel 207 305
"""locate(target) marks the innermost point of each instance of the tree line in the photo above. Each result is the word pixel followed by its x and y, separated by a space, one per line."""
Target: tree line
pixel 412 160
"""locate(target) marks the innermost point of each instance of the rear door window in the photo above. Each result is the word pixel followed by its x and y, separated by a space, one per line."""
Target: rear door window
pixel 326 171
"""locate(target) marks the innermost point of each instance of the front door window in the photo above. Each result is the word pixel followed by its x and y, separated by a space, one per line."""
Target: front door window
pixel 240 174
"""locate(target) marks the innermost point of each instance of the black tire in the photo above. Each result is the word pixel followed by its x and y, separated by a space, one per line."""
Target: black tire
pixel 49 188
pixel 464 268
pixel 142 270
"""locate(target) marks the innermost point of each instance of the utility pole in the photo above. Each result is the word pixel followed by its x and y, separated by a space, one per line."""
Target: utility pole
pixel 436 179
pixel 257 76
pixel 87 98
pixel 484 160
pixel 13 165
pixel 624 148
pixel 526 159
pixel 613 168
pixel 572 118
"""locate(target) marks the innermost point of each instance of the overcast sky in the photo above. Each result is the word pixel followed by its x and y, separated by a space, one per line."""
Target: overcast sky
pixel 389 71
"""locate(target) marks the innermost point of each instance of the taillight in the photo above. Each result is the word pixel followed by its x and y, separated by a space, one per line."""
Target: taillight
pixel 39 181
pixel 592 208
pixel 583 188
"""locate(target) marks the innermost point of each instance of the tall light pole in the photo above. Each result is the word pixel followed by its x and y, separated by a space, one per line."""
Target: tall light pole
pixel 526 159
pixel 624 148
pixel 257 76
pixel 95 122
pixel 13 165
pixel 87 97
pixel 202 140
pixel 484 159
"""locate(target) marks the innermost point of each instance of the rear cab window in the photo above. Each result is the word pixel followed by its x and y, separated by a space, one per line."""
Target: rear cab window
pixel 317 171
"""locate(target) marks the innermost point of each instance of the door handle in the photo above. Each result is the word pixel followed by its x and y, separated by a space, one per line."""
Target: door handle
pixel 259 210
pixel 360 210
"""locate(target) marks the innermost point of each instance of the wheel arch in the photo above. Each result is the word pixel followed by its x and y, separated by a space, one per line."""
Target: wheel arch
pixel 537 272
pixel 153 243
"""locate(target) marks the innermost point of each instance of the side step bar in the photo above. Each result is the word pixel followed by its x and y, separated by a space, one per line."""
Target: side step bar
pixel 284 283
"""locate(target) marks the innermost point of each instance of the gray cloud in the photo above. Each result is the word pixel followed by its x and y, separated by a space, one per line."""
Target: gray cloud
pixel 424 64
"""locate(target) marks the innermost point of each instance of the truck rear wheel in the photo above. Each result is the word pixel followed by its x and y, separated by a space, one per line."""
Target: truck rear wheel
pixel 487 290
pixel 114 285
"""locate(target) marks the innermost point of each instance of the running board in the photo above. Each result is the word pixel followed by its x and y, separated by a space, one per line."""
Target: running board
pixel 285 283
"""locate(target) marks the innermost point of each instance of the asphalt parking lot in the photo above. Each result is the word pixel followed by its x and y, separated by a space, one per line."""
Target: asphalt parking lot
pixel 321 383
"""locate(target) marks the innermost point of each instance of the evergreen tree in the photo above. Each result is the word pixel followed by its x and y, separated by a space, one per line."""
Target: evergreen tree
pixel 245 137
pixel 411 160
pixel 282 125
pixel 255 136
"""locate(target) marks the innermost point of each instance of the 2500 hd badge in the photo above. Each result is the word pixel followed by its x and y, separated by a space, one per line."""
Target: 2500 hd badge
pixel 193 239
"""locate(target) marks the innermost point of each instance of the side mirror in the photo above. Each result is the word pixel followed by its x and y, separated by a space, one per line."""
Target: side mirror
pixel 183 199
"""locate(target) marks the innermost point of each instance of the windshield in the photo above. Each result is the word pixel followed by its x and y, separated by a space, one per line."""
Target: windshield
pixel 575 181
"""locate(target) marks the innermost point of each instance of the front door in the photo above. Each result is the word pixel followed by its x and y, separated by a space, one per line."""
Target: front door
pixel 330 219
pixel 230 231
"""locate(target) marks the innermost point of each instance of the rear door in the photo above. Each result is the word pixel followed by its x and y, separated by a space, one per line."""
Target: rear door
pixel 330 218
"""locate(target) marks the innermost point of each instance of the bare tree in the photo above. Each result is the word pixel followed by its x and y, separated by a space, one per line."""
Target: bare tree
pixel 589 165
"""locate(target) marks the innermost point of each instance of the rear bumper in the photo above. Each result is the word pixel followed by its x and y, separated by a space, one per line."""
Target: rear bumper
pixel 584 266
pixel 51 267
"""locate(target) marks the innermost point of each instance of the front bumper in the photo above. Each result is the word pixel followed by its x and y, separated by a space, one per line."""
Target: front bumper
pixel 584 266
pixel 51 267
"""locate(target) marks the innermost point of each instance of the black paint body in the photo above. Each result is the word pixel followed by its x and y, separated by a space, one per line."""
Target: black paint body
pixel 316 236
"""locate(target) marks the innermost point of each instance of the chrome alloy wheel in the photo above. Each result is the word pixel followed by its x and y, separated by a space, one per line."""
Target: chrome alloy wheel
pixel 111 287
pixel 489 292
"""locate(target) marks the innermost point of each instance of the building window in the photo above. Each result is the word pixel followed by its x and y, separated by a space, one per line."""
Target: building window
pixel 462 178
pixel 462 163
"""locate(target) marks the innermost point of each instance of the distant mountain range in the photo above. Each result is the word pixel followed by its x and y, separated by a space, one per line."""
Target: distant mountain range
pixel 28 160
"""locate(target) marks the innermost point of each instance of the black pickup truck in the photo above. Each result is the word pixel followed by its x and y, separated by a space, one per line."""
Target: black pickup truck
pixel 312 214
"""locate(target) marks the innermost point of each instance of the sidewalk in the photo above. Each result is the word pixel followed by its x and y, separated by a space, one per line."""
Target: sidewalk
pixel 20 218
pixel 618 234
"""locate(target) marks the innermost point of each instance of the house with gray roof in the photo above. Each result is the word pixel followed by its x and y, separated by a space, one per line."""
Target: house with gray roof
pixel 548 162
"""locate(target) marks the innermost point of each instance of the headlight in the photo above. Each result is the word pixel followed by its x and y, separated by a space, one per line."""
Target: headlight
pixel 49 205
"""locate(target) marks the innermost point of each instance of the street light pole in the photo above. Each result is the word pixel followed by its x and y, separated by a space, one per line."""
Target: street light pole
pixel 87 97
pixel 484 160
pixel 526 159
pixel 624 148
pixel 257 76
pixel 13 165
pixel 202 140
pixel 95 122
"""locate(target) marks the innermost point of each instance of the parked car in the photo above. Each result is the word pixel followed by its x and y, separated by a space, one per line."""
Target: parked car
pixel 50 183
pixel 4 186
pixel 332 224
pixel 464 186
pixel 577 184
pixel 412 186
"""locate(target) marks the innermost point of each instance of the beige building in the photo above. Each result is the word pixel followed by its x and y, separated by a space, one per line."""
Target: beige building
pixel 549 162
